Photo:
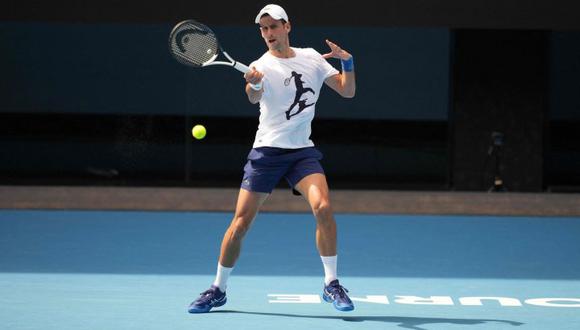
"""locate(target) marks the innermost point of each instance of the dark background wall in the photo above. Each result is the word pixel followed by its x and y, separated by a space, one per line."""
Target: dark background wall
pixel 90 95
pixel 562 132
pixel 500 84
pixel 110 68
pixel 487 14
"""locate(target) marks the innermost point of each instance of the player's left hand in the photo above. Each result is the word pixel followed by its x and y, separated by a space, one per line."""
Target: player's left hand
pixel 336 52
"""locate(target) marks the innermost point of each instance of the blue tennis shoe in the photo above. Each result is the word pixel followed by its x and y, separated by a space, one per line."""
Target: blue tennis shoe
pixel 336 294
pixel 213 297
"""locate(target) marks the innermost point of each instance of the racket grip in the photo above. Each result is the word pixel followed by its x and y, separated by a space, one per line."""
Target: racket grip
pixel 241 67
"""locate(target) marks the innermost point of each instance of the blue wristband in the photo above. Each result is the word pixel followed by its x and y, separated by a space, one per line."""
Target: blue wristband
pixel 348 65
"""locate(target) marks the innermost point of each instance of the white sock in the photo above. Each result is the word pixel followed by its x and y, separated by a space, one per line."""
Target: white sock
pixel 329 264
pixel 221 278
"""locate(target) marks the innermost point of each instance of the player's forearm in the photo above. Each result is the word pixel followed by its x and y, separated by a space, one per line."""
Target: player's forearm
pixel 347 78
pixel 348 83
pixel 254 96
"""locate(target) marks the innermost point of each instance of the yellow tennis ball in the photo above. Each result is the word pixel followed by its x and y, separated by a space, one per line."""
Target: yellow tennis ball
pixel 198 132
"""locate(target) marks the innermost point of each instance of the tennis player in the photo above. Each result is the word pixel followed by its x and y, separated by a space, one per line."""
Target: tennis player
pixel 286 82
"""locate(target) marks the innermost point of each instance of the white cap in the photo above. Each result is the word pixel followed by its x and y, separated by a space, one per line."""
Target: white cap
pixel 275 11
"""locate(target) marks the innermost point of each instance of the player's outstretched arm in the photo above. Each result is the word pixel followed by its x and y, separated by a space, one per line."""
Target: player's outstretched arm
pixel 343 83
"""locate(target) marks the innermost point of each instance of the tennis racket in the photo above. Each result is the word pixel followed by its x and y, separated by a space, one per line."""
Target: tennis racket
pixel 194 44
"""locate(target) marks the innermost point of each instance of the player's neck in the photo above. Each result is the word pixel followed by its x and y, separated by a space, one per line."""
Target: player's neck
pixel 285 52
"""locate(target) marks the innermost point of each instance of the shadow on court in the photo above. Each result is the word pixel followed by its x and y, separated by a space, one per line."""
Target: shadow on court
pixel 414 323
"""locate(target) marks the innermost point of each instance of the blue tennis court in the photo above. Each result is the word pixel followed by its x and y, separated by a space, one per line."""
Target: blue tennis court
pixel 140 270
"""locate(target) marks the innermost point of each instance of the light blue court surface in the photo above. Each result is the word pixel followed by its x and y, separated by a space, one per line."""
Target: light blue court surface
pixel 139 270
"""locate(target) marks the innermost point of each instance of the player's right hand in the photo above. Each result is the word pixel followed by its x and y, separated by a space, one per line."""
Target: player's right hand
pixel 253 76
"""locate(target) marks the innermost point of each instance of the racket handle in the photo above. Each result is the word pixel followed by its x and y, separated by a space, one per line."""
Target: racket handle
pixel 241 67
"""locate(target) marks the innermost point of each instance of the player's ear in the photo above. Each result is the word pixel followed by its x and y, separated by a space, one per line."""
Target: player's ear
pixel 287 26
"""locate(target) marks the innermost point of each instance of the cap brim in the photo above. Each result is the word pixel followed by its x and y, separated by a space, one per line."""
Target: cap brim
pixel 276 17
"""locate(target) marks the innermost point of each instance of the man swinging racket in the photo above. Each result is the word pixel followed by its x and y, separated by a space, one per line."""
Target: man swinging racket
pixel 286 82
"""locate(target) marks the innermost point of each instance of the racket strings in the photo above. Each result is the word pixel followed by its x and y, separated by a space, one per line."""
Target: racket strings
pixel 194 44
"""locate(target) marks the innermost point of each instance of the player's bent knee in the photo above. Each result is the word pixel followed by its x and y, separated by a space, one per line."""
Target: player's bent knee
pixel 322 210
pixel 239 228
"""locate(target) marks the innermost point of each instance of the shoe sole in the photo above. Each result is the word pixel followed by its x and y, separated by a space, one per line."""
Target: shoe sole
pixel 205 310
pixel 342 309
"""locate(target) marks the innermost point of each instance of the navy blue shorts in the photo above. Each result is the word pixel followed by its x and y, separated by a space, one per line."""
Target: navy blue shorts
pixel 267 165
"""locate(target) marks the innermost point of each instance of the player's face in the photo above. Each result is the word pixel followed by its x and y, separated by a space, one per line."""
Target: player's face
pixel 275 33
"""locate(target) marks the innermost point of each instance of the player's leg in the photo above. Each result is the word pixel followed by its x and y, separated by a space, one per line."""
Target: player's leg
pixel 307 177
pixel 247 207
pixel 314 188
pixel 260 176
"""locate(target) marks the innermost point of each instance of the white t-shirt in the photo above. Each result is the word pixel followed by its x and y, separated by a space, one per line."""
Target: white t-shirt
pixel 291 89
